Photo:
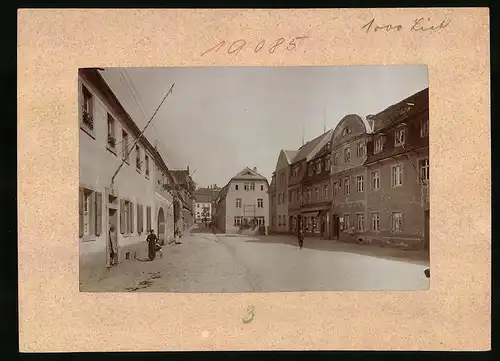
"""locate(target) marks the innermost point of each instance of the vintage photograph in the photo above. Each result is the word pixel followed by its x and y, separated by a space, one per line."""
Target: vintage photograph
pixel 254 179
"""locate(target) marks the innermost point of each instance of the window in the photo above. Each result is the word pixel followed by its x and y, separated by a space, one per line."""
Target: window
pixel 309 194
pixel 424 128
pixel 361 150
pixel 125 146
pixel 260 221
pixel 399 137
pixel 397 175
pixel 347 155
pixel 245 186
pixel 347 221
pixel 238 202
pixel 379 144
pixel 238 220
pixel 294 196
pixel 146 160
pixel 111 132
pixel 346 131
pixel 336 187
pixel 236 187
pixel 328 163
pixel 140 218
pixel 260 203
pixel 198 205
pixel 252 186
pixel 284 220
pixel 279 220
pixel 318 166
pixel 347 186
pixel 360 183
pixel 87 211
pixel 360 217
pixel 376 180
pixel 262 187
pixel 295 171
pixel 375 221
pixel 88 109
pixel 279 198
pixel 126 217
pixel 325 191
pixel 316 192
pixel 138 157
pixel 335 158
pixel 397 222
pixel 284 198
pixel 424 169
pixel 310 171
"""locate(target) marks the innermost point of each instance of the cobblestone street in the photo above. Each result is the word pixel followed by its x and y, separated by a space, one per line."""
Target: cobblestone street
pixel 206 262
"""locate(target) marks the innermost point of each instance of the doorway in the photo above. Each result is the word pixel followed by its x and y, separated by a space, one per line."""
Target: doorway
pixel 161 226
pixel 335 226
pixel 427 231
pixel 112 247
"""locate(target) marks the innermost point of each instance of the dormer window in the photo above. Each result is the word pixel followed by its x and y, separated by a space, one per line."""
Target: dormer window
pixel 361 149
pixel 399 136
pixel 379 144
pixel 346 131
pixel 347 155
pixel 328 162
pixel 310 170
pixel 335 158
pixel 318 166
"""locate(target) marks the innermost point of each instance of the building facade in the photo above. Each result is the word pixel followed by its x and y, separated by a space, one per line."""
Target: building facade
pixel 118 190
pixel 243 202
pixel 315 186
pixel 398 168
pixel 273 209
pixel 204 203
pixel 280 223
pixel 349 178
pixel 299 207
pixel 185 188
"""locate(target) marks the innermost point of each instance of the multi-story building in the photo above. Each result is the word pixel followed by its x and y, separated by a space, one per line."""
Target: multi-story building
pixel 117 180
pixel 204 203
pixel 273 209
pixel 243 202
pixel 298 170
pixel 349 178
pixel 280 198
pixel 398 172
pixel 185 188
pixel 315 184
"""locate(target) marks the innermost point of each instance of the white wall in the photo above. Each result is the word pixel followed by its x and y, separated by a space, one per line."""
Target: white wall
pixel 97 165
pixel 248 197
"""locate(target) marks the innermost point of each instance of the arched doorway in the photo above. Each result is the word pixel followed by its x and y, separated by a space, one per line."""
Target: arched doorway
pixel 161 225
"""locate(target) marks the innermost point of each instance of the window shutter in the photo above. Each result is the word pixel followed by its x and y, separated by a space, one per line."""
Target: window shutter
pixel 98 217
pixel 142 218
pixel 122 216
pixel 131 217
pixel 92 213
pixel 138 218
pixel 80 211
pixel 148 218
pixel 402 222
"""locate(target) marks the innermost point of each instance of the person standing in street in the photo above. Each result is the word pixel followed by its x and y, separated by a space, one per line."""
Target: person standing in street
pixel 151 239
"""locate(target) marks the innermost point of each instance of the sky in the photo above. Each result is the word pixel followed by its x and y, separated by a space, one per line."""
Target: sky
pixel 219 120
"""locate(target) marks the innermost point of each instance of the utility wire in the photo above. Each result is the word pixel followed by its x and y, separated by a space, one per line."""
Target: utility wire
pixel 140 135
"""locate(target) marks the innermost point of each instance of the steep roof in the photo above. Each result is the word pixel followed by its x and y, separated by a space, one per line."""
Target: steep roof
pixel 327 137
pixel 290 154
pixel 402 110
pixel 249 174
pixel 307 148
pixel 180 175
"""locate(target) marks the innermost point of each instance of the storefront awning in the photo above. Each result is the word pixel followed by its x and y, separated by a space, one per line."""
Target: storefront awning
pixel 310 214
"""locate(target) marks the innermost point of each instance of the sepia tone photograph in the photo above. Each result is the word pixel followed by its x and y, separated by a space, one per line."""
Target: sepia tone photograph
pixel 254 179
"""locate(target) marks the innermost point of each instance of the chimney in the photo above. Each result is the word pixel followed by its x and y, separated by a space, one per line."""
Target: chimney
pixel 188 169
pixel 255 169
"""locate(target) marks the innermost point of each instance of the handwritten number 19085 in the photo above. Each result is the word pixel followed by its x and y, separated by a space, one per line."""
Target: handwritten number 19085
pixel 237 46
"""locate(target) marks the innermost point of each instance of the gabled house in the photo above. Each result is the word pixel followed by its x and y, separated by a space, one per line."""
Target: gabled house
pixel 243 202
pixel 296 188
pixel 280 198
pixel 398 169
pixel 186 187
pixel 349 177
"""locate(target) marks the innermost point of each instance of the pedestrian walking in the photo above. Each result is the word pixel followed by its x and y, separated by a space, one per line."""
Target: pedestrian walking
pixel 301 239
pixel 151 239
pixel 113 251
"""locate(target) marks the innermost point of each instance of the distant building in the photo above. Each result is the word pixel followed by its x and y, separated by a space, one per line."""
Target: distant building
pixel 186 188
pixel 205 203
pixel 243 202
